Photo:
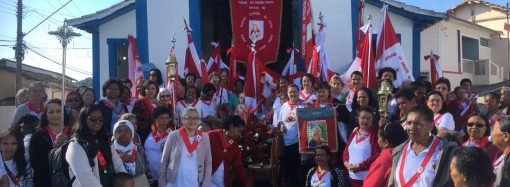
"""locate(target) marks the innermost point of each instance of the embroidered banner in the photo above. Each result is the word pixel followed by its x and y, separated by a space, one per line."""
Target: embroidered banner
pixel 256 21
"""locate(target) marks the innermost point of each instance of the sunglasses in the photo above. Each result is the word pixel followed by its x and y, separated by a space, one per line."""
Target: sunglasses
pixel 478 125
pixel 95 120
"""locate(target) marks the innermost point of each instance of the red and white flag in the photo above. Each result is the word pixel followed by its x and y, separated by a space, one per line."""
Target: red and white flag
pixel 290 71
pixel 507 27
pixel 320 39
pixel 134 65
pixel 389 52
pixel 233 75
pixel 366 55
pixel 435 68
pixel 307 45
pixel 204 74
pixel 215 61
pixel 192 61
pixel 259 80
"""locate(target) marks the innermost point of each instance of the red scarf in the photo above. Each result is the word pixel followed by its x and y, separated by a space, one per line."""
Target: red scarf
pixel 119 112
pixel 479 143
pixel 291 105
pixel 320 175
pixel 329 103
pixel 420 169
pixel 190 146
pixel 132 158
pixel 32 108
pixel 305 98
pixel 101 161
pixel 185 105
pixel 357 137
pixel 157 137
pixel 53 135
pixel 148 104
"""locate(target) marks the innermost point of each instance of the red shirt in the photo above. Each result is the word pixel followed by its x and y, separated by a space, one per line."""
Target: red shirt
pixel 231 158
pixel 380 170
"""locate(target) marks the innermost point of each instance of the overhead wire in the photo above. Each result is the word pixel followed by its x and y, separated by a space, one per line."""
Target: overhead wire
pixel 58 63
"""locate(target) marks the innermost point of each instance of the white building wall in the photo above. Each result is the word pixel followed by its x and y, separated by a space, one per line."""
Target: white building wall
pixel 119 27
pixel 337 15
pixel 164 18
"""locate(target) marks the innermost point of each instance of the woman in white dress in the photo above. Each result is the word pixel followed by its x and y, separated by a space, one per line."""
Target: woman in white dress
pixel 186 159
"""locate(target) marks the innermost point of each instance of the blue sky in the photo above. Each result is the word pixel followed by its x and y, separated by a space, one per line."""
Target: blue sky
pixel 79 55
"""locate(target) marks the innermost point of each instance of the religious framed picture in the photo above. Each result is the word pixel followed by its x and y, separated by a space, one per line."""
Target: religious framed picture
pixel 316 127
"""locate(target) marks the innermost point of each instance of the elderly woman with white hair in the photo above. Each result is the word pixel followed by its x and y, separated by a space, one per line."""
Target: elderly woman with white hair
pixel 186 159
pixel 132 155
pixel 35 103
pixel 164 98
pixel 504 100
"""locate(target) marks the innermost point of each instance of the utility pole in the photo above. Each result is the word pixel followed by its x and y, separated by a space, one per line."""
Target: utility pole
pixel 19 53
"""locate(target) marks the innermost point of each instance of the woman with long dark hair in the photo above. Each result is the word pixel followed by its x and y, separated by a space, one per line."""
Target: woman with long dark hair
pixel 49 135
pixel 91 157
pixel 155 75
pixel 144 107
pixel 15 165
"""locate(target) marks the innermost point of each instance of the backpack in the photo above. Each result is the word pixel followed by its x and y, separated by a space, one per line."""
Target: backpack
pixel 59 168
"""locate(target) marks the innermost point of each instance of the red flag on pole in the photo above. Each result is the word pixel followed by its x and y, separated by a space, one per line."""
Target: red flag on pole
pixel 507 27
pixel 203 73
pixel 435 68
pixel 389 52
pixel 233 75
pixel 134 65
pixel 192 61
pixel 307 45
pixel 367 60
pixel 215 61
pixel 251 80
pixel 290 71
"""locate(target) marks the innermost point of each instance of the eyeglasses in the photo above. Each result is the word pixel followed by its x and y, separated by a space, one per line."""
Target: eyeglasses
pixel 164 96
pixel 95 120
pixel 190 119
pixel 478 125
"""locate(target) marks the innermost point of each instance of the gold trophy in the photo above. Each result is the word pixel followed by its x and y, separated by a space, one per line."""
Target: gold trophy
pixel 384 94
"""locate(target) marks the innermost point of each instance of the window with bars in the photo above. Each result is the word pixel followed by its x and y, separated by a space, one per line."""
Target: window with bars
pixel 484 42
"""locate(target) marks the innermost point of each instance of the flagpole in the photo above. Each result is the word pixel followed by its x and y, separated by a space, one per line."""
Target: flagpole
pixel 507 39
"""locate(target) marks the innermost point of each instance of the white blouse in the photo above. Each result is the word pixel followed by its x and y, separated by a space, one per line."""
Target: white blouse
pixel 324 182
pixel 153 154
pixel 187 174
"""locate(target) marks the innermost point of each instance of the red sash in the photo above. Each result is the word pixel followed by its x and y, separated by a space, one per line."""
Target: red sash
pixel 495 118
pixel 53 135
pixel 190 146
pixel 132 159
pixel 157 137
pixel 419 171
pixel 436 119
pixel 292 106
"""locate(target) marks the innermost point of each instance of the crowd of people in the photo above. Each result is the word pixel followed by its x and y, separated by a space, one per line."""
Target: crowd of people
pixel 189 136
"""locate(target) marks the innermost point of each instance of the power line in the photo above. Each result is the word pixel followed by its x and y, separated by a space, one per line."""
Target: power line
pixel 3 11
pixel 7 36
pixel 58 63
pixel 75 6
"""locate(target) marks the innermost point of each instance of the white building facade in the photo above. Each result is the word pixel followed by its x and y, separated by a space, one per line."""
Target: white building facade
pixel 153 23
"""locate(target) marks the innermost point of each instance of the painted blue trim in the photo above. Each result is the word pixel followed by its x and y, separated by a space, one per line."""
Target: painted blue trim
pixel 416 50
pixel 404 13
pixel 195 13
pixel 142 33
pixel 95 64
pixel 112 54
pixel 91 26
pixel 354 23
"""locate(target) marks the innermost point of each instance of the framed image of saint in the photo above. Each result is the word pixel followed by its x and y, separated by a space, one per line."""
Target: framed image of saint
pixel 317 126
